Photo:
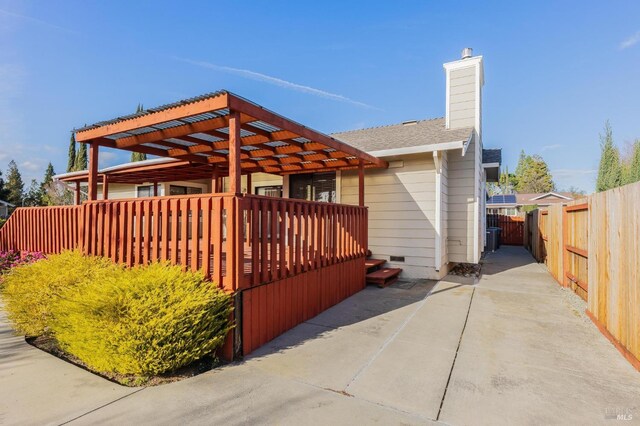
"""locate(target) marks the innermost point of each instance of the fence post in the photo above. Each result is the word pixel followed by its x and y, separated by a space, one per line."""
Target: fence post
pixel 565 238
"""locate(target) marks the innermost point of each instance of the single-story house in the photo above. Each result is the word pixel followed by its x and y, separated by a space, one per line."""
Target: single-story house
pixel 426 210
pixel 513 204
pixel 5 207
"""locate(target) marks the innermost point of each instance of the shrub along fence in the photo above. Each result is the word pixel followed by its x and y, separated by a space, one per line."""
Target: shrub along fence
pixel 593 247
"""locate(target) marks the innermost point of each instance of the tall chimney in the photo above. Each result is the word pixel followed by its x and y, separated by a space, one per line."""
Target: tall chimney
pixel 465 79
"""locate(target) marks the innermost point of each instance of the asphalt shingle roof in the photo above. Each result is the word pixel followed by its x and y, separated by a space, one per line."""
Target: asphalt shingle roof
pixel 403 135
pixel 492 156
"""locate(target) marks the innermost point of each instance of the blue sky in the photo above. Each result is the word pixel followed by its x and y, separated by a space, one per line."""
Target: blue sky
pixel 554 71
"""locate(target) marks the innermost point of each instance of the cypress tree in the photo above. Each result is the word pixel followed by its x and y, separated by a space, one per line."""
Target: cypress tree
pixel 71 156
pixel 610 169
pixel 14 185
pixel 81 158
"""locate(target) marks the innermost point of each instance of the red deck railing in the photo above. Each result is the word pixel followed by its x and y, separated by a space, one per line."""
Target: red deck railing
pixel 238 241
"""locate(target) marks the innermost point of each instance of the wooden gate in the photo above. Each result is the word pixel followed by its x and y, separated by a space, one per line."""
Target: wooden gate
pixel 512 228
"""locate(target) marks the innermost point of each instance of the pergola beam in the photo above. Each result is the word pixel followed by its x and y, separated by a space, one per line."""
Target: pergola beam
pixel 282 123
pixel 199 107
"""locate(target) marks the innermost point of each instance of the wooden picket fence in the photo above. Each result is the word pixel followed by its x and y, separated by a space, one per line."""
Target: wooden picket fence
pixel 592 246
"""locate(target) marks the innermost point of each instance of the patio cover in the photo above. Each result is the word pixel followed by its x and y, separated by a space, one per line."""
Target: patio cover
pixel 227 133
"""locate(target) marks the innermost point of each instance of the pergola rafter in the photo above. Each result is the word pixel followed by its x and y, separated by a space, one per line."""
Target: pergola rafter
pixel 224 134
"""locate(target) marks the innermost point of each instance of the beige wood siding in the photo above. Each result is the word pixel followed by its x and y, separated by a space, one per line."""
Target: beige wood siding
pixel 401 203
pixel 444 209
pixel 461 199
pixel 462 97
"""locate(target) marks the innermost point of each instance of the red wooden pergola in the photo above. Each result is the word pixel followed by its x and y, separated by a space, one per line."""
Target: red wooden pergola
pixel 220 134
pixel 284 260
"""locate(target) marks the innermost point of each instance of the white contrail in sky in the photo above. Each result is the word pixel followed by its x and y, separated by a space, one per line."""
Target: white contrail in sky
pixel 277 82
pixel 37 21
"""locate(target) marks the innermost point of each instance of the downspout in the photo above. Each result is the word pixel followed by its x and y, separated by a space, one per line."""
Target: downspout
pixel 437 161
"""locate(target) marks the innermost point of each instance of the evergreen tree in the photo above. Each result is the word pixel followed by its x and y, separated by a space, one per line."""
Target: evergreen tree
pixel 610 169
pixel 523 163
pixel 48 178
pixel 71 156
pixel 532 175
pixel 3 192
pixel 33 197
pixel 536 177
pixel 81 158
pixel 508 181
pixel 633 167
pixel 14 185
pixel 138 156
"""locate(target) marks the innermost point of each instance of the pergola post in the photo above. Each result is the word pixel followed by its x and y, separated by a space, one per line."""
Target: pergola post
pixel 214 181
pixel 105 187
pixel 93 171
pixel 249 184
pixel 235 173
pixel 361 183
pixel 155 189
pixel 77 194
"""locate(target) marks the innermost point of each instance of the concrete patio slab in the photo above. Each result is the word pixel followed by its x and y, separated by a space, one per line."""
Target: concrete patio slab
pixel 38 388
pixel 514 348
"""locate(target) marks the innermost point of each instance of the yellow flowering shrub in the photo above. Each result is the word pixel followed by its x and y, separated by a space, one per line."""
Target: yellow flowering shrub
pixel 29 291
pixel 143 321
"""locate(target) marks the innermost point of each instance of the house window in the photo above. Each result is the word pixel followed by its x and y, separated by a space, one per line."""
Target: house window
pixel 270 191
pixel 184 190
pixel 313 187
pixel 144 191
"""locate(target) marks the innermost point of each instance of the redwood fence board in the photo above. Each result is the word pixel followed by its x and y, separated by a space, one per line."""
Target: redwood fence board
pixel 593 247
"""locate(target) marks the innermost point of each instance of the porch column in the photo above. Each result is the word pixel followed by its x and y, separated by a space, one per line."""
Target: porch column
pixel 105 187
pixel 155 189
pixel 249 184
pixel 77 194
pixel 214 181
pixel 93 171
pixel 361 183
pixel 235 172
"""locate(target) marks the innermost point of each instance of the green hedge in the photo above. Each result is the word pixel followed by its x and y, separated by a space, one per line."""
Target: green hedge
pixel 141 321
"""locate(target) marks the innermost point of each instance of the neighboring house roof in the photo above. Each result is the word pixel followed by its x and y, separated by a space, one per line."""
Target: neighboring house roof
pixel 409 134
pixel 513 200
pixel 490 156
pixel 544 199
pixel 6 203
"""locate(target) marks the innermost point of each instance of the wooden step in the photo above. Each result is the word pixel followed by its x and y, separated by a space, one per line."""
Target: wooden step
pixel 383 277
pixel 372 264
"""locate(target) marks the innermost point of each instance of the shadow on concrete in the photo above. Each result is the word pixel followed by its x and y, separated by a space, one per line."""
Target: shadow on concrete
pixel 370 310
pixel 505 259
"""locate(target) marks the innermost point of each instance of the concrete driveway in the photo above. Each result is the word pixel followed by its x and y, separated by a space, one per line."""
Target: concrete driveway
pixel 512 349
